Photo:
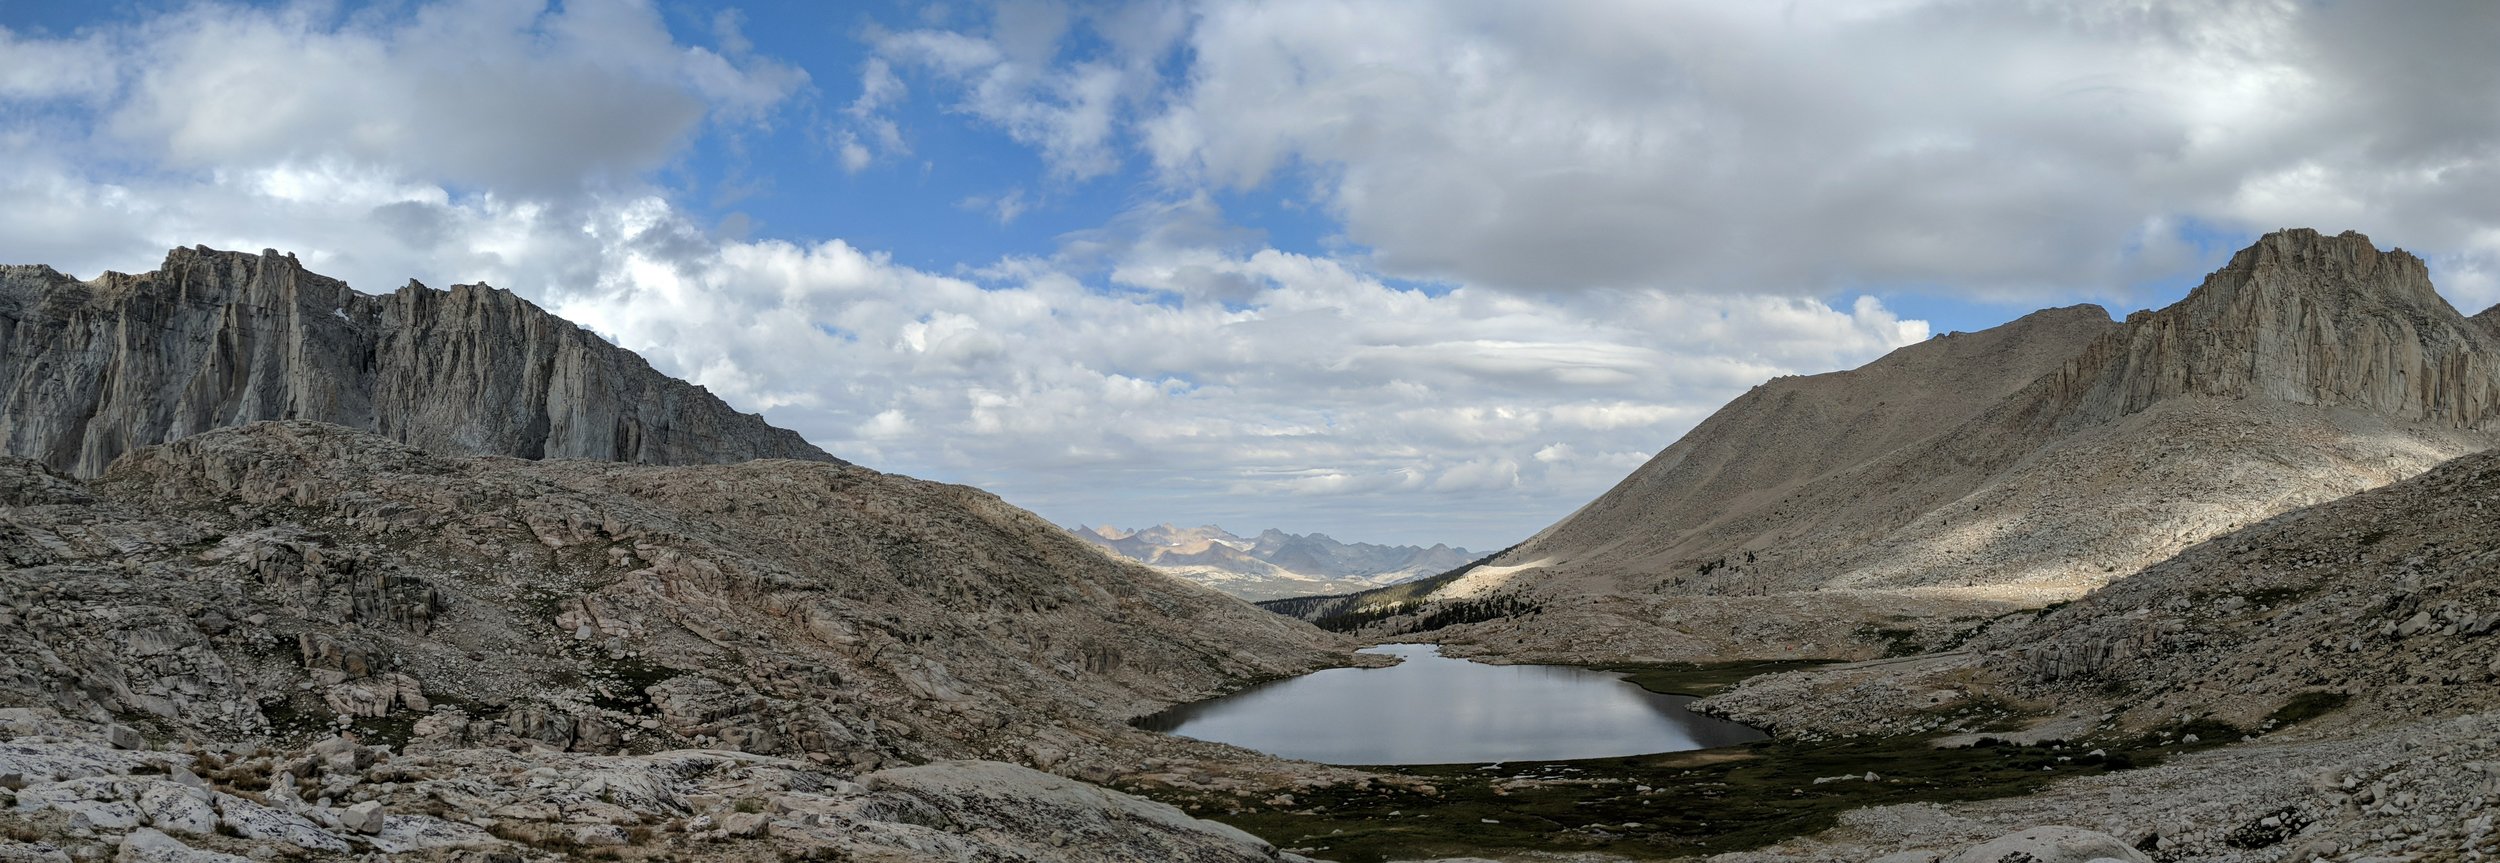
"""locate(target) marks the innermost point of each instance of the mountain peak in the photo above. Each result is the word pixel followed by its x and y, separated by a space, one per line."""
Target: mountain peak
pixel 2307 261
pixel 2304 318
pixel 219 338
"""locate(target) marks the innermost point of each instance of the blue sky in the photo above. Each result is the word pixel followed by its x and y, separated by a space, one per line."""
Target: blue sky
pixel 1405 272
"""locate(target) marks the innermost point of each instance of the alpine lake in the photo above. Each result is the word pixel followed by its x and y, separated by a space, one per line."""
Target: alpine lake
pixel 1472 758
pixel 1431 709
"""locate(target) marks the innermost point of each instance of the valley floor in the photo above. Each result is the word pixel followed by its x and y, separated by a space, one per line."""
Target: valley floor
pixel 2298 786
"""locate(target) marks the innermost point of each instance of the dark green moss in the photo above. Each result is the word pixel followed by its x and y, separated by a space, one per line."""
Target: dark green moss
pixel 1897 641
pixel 2279 595
pixel 297 717
pixel 1702 679
pixel 625 683
pixel 2307 706
pixel 1697 803
pixel 393 731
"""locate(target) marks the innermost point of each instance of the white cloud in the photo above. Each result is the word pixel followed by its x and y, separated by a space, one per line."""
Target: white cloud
pixel 1320 382
pixel 1625 212
pixel 1004 207
pixel 1009 76
pixel 514 96
pixel 1983 149
pixel 36 69
pixel 855 156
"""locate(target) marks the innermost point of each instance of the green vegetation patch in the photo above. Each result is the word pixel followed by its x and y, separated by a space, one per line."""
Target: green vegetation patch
pixel 297 718
pixel 1347 612
pixel 624 683
pixel 2307 706
pixel 1703 679
pixel 1656 806
pixel 1897 641
pixel 394 730
pixel 1674 804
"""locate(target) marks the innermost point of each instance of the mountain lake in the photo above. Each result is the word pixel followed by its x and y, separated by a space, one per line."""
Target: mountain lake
pixel 1432 709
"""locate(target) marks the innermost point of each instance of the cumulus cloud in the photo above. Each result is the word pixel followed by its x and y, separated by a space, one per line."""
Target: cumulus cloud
pixel 1009 74
pixel 1556 235
pixel 466 139
pixel 1989 149
pixel 519 97
pixel 43 69
pixel 1321 382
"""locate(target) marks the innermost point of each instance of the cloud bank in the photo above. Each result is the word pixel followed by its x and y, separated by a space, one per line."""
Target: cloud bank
pixel 1551 236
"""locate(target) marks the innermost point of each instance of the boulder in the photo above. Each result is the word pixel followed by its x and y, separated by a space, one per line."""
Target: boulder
pixel 253 821
pixel 2050 845
pixel 20 852
pixel 177 808
pixel 363 818
pixel 124 737
pixel 148 846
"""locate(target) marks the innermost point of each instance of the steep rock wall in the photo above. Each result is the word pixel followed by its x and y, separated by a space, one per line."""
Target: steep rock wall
pixel 91 370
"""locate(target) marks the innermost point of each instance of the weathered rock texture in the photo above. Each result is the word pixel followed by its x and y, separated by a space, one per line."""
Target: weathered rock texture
pixel 2388 599
pixel 282 577
pixel 2009 468
pixel 92 370
pixel 2298 318
pixel 339 799
pixel 2370 621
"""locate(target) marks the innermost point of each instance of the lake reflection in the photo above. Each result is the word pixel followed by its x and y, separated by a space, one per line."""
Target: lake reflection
pixel 1431 709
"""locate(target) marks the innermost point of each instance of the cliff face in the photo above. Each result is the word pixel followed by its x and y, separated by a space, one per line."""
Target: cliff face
pixel 2299 318
pixel 92 370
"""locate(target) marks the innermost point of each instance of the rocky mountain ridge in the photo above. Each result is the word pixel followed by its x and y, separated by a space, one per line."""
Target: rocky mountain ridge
pixel 1274 564
pixel 91 370
pixel 2028 464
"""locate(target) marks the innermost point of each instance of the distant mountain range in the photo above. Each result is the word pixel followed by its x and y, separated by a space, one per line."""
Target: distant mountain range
pixel 1273 564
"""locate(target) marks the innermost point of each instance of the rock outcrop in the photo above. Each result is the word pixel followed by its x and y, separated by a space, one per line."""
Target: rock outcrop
pixel 2350 645
pixel 242 803
pixel 282 578
pixel 2011 468
pixel 2299 318
pixel 92 370
pixel 2383 603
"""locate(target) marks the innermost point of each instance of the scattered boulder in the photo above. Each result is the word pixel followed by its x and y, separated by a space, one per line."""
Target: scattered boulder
pixel 253 821
pixel 148 846
pixel 2050 845
pixel 36 852
pixel 124 737
pixel 366 817
pixel 177 808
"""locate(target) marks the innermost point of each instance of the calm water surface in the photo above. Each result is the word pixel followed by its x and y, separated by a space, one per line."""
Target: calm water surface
pixel 1431 709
